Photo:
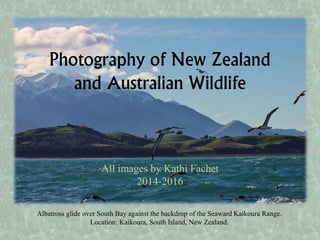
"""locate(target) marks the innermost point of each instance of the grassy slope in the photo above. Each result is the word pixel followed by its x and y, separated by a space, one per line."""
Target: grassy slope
pixel 75 141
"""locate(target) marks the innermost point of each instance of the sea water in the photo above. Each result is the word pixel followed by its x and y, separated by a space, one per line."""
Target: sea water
pixel 204 179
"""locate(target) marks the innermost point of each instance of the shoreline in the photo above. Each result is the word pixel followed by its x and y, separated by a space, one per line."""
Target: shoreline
pixel 162 157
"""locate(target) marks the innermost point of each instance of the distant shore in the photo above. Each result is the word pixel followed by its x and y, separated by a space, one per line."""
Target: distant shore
pixel 161 157
pixel 73 141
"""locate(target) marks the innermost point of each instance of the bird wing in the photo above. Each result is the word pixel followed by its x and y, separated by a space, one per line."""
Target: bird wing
pixel 251 129
pixel 177 173
pixel 156 144
pixel 98 198
pixel 268 117
pixel 172 175
pixel 84 199
pixel 296 100
pixel 176 127
pixel 298 96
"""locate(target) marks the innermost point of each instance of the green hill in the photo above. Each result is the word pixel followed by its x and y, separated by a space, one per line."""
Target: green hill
pixel 77 141
pixel 80 141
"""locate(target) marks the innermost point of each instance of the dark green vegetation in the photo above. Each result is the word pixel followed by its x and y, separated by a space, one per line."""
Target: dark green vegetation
pixel 81 141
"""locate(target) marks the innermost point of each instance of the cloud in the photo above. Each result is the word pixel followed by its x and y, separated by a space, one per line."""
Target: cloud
pixel 111 71
pixel 155 69
pixel 33 47
pixel 142 75
pixel 27 66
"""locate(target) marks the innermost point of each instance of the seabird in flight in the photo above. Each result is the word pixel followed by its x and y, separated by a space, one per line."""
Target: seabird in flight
pixel 202 71
pixel 265 126
pixel 161 133
pixel 299 95
pixel 94 197
pixel 240 197
pixel 177 173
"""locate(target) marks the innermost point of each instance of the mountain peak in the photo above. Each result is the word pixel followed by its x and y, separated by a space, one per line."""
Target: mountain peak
pixel 42 82
pixel 50 99
pixel 172 101
pixel 235 122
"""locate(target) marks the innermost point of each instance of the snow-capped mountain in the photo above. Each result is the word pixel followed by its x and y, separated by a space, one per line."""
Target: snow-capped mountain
pixel 45 100
pixel 233 128
pixel 50 99
pixel 42 82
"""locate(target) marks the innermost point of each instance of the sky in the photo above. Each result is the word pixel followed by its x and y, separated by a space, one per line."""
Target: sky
pixel 266 87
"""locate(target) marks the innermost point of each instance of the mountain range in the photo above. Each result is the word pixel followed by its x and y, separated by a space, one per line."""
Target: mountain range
pixel 50 99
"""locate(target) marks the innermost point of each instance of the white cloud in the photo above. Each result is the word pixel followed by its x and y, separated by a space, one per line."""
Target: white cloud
pixel 32 47
pixel 142 75
pixel 111 71
pixel 31 65
pixel 155 69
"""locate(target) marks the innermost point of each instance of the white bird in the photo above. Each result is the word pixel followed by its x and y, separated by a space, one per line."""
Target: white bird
pixel 265 126
pixel 161 133
pixel 299 95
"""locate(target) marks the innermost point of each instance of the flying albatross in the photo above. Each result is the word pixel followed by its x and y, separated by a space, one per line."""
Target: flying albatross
pixel 94 197
pixel 265 126
pixel 299 95
pixel 202 71
pixel 161 133
pixel 240 197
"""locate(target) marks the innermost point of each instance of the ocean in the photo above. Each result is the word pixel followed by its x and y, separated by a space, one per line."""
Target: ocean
pixel 252 179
